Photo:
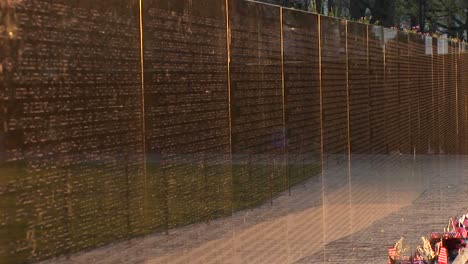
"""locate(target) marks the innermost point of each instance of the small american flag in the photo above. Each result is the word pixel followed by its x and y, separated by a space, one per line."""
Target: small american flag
pixel 443 256
pixel 461 231
pixel 391 254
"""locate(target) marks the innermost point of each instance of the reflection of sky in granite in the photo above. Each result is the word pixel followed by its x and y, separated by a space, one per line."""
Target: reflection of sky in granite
pixel 428 43
pixel 442 46
pixel 390 34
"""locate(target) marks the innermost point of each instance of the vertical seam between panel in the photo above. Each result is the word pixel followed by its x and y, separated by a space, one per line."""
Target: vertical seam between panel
pixel 228 54
pixel 349 123
pixel 143 125
pixel 283 93
pixel 319 29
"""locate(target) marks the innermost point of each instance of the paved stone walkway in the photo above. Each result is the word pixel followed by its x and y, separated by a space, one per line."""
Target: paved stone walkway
pixel 445 196
pixel 340 217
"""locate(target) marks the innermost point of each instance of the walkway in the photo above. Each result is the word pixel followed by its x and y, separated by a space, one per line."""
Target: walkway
pixel 340 217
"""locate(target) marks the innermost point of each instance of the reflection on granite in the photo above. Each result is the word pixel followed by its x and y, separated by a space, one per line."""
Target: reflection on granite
pixel 329 219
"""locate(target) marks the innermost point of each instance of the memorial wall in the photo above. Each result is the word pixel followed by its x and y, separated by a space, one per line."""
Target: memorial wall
pixel 359 92
pixel 462 88
pixel 301 94
pixel 392 98
pixel 256 85
pixel 126 118
pixel 71 158
pixel 377 107
pixel 186 112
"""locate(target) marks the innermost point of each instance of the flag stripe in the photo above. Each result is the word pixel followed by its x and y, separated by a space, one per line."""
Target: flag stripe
pixel 443 256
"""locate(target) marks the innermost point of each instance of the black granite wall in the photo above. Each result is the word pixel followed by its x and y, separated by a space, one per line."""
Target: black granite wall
pixel 119 122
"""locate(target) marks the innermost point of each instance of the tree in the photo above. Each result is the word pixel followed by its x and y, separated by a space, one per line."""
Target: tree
pixel 357 8
pixel 319 6
pixel 384 12
pixel 449 17
pixel 438 16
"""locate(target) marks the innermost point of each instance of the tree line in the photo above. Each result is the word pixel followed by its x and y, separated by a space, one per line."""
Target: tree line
pixel 442 17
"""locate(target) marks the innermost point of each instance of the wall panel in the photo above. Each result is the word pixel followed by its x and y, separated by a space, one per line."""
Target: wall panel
pixel 439 75
pixel 359 93
pixel 450 98
pixel 257 107
pixel 302 94
pixel 425 96
pixel 391 91
pixel 187 111
pixel 334 90
pixel 377 90
pixel 433 128
pixel 405 99
pixel 71 141
pixel 419 95
pixel 463 99
pixel 460 100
